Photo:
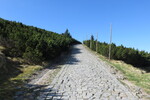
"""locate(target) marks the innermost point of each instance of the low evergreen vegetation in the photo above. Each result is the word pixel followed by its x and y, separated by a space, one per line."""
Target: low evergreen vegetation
pixel 23 49
pixel 32 43
pixel 131 56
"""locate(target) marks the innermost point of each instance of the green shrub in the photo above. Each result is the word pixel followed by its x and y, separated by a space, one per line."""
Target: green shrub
pixel 32 43
pixel 129 55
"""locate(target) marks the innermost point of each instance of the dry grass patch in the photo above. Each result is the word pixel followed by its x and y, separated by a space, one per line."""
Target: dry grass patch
pixel 27 71
pixel 2 48
pixel 10 86
pixel 135 75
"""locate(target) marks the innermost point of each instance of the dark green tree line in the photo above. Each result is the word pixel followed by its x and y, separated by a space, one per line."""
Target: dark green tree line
pixel 32 43
pixel 129 55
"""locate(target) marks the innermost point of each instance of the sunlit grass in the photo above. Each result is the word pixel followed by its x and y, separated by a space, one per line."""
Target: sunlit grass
pixel 133 74
pixel 2 48
pixel 9 87
pixel 26 72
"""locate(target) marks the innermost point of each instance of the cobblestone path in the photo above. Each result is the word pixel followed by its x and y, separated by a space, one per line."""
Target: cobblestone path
pixel 85 77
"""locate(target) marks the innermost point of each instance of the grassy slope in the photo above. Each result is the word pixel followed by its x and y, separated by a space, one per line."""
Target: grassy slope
pixel 8 87
pixel 15 82
pixel 134 75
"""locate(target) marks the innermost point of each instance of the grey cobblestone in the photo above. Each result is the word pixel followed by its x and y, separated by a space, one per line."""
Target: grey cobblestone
pixel 84 77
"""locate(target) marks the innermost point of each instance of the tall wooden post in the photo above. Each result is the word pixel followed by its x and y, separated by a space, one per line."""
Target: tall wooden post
pixel 86 40
pixel 110 41
pixel 91 43
pixel 97 43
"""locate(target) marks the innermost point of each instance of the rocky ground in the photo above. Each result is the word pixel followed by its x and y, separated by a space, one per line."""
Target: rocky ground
pixel 82 76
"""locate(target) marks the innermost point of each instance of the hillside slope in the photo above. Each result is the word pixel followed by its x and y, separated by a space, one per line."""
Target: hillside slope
pixel 32 43
pixel 22 49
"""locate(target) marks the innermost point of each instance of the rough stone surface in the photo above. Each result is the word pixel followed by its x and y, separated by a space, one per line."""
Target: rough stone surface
pixel 85 77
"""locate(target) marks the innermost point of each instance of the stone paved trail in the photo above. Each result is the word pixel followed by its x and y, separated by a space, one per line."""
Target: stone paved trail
pixel 85 77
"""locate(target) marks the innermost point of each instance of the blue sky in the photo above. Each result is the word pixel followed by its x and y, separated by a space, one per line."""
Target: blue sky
pixel 130 18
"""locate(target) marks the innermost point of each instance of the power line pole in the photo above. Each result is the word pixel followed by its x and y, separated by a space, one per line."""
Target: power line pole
pixel 86 39
pixel 97 43
pixel 110 41
pixel 86 36
pixel 91 42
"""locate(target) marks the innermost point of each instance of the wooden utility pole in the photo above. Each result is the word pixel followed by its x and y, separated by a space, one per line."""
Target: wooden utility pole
pixel 87 43
pixel 110 41
pixel 86 37
pixel 91 42
pixel 86 40
pixel 97 43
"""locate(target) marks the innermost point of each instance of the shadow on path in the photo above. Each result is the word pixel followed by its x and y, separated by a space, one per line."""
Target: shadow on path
pixel 37 92
pixel 72 60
